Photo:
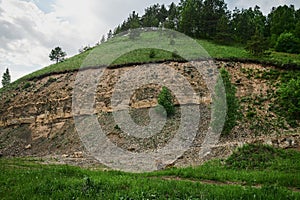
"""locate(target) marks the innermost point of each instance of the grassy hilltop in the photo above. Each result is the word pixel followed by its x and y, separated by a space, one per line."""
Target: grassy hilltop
pixel 214 50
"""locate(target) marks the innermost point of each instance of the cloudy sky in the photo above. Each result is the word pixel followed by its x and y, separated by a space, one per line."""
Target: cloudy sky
pixel 29 29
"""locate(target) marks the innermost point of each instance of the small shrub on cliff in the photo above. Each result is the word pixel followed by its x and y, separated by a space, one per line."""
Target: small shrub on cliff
pixel 289 99
pixel 165 99
pixel 50 80
pixel 26 85
pixel 224 111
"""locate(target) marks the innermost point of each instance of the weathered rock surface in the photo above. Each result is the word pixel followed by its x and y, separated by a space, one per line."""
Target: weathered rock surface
pixel 38 120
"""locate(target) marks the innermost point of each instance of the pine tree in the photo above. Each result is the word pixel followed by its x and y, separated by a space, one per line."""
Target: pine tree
pixel 109 35
pixel 257 45
pixel 223 32
pixel 57 54
pixel 6 78
pixel 102 39
pixel 211 12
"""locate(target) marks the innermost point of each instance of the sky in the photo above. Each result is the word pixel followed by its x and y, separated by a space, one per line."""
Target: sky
pixel 29 29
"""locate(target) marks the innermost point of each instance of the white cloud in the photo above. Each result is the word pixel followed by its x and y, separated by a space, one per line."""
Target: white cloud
pixel 27 35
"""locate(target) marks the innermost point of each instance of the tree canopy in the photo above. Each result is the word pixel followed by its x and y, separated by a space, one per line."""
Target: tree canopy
pixel 57 54
pixel 6 78
pixel 211 19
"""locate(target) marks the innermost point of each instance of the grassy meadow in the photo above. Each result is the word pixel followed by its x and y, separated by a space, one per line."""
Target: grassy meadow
pixel 250 173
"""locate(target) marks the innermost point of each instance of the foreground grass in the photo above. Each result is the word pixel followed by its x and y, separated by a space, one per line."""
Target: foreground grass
pixel 28 179
pixel 251 165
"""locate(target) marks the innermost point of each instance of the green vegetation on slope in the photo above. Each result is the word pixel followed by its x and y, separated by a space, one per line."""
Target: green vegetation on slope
pixel 211 19
pixel 283 99
pixel 165 99
pixel 225 110
pixel 250 165
pixel 27 179
pixel 69 64
pixel 230 53
pixel 289 98
pixel 237 53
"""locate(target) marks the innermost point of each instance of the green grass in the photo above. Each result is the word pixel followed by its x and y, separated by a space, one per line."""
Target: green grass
pixel 238 52
pixel 112 53
pixel 123 51
pixel 28 179
pixel 253 164
pixel 224 51
pixel 283 58
pixel 142 55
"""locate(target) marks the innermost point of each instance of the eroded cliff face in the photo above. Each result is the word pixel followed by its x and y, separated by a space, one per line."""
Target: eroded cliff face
pixel 36 119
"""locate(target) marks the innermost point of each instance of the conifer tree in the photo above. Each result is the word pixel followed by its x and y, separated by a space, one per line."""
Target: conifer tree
pixel 6 78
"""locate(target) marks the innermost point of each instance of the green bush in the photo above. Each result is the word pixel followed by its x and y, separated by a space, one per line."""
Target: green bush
pixel 152 53
pixel 273 40
pixel 254 156
pixel 257 45
pixel 231 113
pixel 289 98
pixel 297 30
pixel 288 43
pixel 26 85
pixel 165 99
pixel 50 80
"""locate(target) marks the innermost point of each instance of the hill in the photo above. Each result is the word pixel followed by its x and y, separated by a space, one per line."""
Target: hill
pixel 216 51
pixel 38 131
pixel 49 116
